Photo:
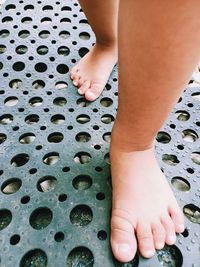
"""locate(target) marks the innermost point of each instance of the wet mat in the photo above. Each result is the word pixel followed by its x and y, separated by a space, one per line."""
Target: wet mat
pixel 55 195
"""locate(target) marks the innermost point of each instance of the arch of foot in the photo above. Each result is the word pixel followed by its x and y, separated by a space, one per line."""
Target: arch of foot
pixel 55 167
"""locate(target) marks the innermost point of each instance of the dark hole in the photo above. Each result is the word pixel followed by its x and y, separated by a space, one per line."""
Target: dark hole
pixel 11 101
pixel 81 215
pixel 20 160
pixel 15 84
pixel 28 7
pixel 42 50
pixel 47 7
pixel 82 157
pixel 58 119
pixel 62 68
pixel 107 118
pixel 107 137
pixel 59 236
pixel 3 138
pixel 25 199
pixel 18 66
pixel 4 33
pixel 21 49
pixel 51 158
pixel 33 171
pixel 170 159
pixel 11 186
pixel 82 119
pixel 163 137
pixel 32 119
pixel 2 49
pixel 5 218
pixel 46 20
pixel 102 235
pixel 41 218
pixel 66 169
pixel 24 34
pixel 64 34
pixel 61 85
pixel 192 212
pixel 27 138
pixel 60 101
pixel 44 34
pixel 82 182
pixel 40 67
pixel 34 258
pixel 14 239
pixel 83 137
pixel 46 183
pixel 36 101
pixel 83 51
pixel 62 197
pixel 63 50
pixel 84 36
pixel 106 102
pixel 55 137
pixel 100 196
pixel 80 256
pixel 26 20
pixel 170 256
pixel 39 84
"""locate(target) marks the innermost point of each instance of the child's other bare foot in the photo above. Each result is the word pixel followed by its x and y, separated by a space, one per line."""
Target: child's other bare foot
pixel 144 209
pixel 92 72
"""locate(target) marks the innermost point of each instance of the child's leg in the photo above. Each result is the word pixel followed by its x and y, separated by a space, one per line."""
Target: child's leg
pixel 90 75
pixel 159 48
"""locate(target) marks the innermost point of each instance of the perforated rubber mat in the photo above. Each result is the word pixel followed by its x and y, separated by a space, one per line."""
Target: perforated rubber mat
pixel 55 184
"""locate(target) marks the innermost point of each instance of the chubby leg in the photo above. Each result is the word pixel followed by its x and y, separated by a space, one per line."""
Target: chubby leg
pixel 159 48
pixel 90 75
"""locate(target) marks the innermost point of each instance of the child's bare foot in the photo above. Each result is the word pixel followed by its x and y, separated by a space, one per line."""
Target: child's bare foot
pixel 144 206
pixel 91 74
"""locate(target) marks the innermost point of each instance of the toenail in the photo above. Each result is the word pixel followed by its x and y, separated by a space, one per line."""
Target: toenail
pixel 90 94
pixel 125 248
pixel 149 253
pixel 172 239
pixel 160 245
pixel 75 83
pixel 181 227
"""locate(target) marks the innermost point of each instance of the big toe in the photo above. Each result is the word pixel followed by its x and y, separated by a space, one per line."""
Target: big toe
pixel 123 241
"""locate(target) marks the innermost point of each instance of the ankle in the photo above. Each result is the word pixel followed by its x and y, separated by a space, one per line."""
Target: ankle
pixel 107 44
pixel 124 140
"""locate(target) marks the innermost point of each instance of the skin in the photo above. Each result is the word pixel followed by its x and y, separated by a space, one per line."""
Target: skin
pixel 159 48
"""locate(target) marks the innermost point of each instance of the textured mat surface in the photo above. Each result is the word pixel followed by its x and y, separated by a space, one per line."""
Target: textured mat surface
pixel 55 197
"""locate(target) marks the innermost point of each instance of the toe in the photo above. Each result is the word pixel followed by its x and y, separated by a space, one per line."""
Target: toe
pixel 84 87
pixel 177 218
pixel 170 235
pixel 123 240
pixel 158 235
pixel 145 240
pixel 73 70
pixel 76 79
pixel 93 92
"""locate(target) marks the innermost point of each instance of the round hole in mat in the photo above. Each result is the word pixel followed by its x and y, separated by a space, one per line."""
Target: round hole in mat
pixel 11 186
pixel 58 119
pixel 19 160
pixel 15 84
pixel 185 233
pixel 84 36
pixel 64 34
pixel 7 19
pixel 195 157
pixel 95 127
pixel 3 137
pixel 82 119
pixel 173 126
pixel 1 67
pixel 106 102
pixel 82 102
pixel 163 137
pixel 170 254
pixel 14 240
pixel 42 50
pixel 82 157
pixel 60 101
pixel 81 215
pixel 39 84
pixel 21 49
pixel 82 182
pixel 66 169
pixel 33 171
pixel 182 115
pixel 65 20
pixel 4 33
pixel 5 218
pixel 66 8
pixel 47 7
pixel 46 20
pixel 180 147
pixel 102 235
pixel 26 20
pixel 40 67
pixel 36 101
pixel 107 118
pixel 44 34
pixel 171 160
pixel 98 169
pixel 1 172
pixel 62 69
pixel 80 256
pixel 190 105
pixel 2 49
pixel 61 85
pixel 107 158
pixel 32 119
pixel 196 96
pixel 59 236
pixel 40 218
pixel 35 257
pixel 15 128
pixel 27 138
pixel 63 50
pixel 28 7
pixel 6 119
pixel 18 66
pixel 69 127
pixel 51 158
pixel 107 137
pixel 97 147
pixel 11 101
pixel 62 197
pixel 46 183
pixel 55 137
pixel 100 196
pixel 189 135
pixel 24 34
pixel 192 212
pixel 83 137
pixel 190 170
pixel 25 199
pixel 10 7
pixel 132 263
pixel 180 184
pixel 83 51
pixel 42 128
